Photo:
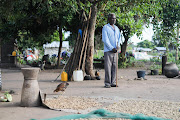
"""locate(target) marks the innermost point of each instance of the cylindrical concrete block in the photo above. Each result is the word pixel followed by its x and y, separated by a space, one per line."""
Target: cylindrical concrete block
pixel 30 96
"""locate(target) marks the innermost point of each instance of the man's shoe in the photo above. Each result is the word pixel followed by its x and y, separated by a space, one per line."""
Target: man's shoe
pixel 107 86
pixel 114 85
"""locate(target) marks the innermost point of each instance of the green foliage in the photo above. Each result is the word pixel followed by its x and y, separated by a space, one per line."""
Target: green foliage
pixel 155 66
pixel 36 20
pixel 138 64
pixel 21 60
pixel 20 57
pixel 53 60
pixel 98 44
pixel 8 96
pixel 72 39
pixel 166 23
pixel 130 62
pixel 55 36
pixel 171 57
pixel 155 59
pixel 130 47
pixel 98 54
pixel 132 16
pixel 34 23
pixel 122 61
pixel 146 44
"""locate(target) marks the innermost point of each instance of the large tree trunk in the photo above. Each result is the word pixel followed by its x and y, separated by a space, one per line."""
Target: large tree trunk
pixel 123 52
pixel 177 49
pixel 124 46
pixel 60 46
pixel 122 59
pixel 90 50
pixel 126 33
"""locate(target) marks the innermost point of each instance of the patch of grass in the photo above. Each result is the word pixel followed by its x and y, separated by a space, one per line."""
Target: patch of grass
pixel 98 54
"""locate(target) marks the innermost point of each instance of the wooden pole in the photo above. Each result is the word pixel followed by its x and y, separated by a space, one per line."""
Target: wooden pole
pixel 164 60
pixel 117 66
pixel 82 50
pixel 85 36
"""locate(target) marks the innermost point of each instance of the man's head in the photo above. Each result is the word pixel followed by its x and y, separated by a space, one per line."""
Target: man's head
pixel 112 18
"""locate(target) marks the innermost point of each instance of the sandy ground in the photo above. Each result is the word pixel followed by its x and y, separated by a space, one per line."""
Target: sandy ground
pixel 154 88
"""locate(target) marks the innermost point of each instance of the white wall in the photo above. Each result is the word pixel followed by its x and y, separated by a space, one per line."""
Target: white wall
pixel 52 48
pixel 52 51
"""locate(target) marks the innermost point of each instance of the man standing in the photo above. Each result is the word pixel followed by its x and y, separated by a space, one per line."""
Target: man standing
pixel 111 38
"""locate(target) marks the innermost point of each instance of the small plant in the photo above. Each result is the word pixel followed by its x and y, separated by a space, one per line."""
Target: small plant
pixel 6 98
pixel 139 64
pixel 155 59
pixel 98 54
pixel 154 66
pixel 21 60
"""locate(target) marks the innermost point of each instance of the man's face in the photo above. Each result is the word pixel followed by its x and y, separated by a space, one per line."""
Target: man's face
pixel 112 19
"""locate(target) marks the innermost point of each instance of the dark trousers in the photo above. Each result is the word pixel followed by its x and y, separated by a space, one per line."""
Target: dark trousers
pixel 110 64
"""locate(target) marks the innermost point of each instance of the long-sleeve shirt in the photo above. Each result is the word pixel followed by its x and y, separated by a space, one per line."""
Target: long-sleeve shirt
pixel 110 37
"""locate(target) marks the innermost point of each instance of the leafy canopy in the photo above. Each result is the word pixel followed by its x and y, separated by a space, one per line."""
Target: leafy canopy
pixel 35 20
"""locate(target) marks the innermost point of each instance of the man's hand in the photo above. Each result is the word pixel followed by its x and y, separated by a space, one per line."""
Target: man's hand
pixel 114 50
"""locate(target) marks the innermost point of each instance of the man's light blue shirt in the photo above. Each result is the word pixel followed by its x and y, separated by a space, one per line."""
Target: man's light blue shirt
pixel 110 37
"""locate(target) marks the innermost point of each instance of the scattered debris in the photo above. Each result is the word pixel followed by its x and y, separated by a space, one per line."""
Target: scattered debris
pixel 163 109
pixel 6 98
pixel 11 92
pixel 73 102
pixel 141 78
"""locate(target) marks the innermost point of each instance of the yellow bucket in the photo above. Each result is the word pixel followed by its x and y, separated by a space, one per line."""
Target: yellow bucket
pixel 64 76
pixel 14 53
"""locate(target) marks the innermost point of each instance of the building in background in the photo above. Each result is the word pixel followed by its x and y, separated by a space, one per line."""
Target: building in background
pixel 160 49
pixel 52 48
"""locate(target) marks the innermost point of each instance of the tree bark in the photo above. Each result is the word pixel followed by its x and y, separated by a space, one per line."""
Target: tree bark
pixel 177 49
pixel 90 50
pixel 123 52
pixel 126 33
pixel 60 46
pixel 124 46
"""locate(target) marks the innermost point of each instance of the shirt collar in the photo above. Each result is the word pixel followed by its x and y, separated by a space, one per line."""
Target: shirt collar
pixel 112 27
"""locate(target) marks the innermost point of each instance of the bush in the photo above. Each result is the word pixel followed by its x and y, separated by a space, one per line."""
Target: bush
pixel 98 54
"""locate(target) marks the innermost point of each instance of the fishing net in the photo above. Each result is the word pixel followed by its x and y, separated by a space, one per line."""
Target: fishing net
pixel 105 114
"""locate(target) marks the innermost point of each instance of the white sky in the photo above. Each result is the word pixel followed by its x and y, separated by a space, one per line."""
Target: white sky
pixel 147 34
pixel 66 34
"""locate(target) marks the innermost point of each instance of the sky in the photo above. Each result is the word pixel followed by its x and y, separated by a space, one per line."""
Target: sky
pixel 66 34
pixel 147 34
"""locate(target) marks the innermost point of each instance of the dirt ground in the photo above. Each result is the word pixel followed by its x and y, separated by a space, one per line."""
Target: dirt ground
pixel 154 88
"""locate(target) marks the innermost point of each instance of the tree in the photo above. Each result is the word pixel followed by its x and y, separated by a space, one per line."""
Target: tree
pixel 145 44
pixel 35 20
pixel 82 56
pixel 131 16
pixel 41 18
pixel 167 23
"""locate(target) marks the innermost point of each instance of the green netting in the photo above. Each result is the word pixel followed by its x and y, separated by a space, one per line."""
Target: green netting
pixel 105 114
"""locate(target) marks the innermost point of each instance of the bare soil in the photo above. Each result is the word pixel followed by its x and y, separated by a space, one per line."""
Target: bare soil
pixel 157 87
